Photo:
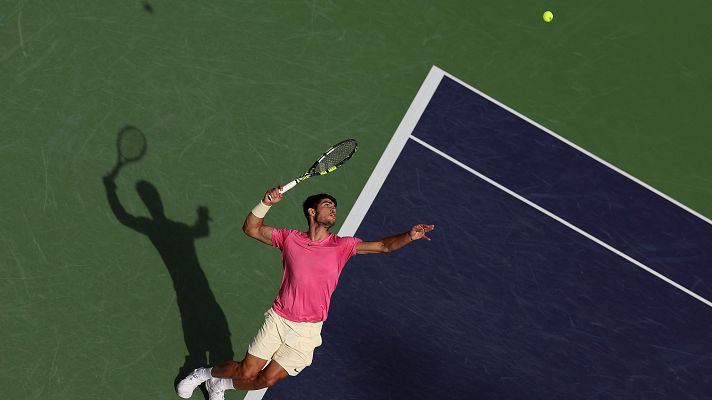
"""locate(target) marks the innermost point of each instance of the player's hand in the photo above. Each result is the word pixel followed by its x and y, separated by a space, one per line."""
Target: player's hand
pixel 273 196
pixel 418 231
pixel 203 213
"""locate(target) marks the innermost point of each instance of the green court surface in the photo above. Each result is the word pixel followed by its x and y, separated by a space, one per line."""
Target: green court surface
pixel 235 96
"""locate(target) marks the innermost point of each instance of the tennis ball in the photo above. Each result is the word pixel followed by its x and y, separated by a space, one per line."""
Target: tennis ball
pixel 548 16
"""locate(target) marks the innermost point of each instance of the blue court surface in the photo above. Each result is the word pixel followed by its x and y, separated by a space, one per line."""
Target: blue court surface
pixel 550 275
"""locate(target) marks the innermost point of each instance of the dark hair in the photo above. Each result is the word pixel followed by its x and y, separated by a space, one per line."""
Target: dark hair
pixel 313 201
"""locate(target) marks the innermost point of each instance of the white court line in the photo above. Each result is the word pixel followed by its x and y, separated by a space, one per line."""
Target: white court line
pixel 562 221
pixel 392 152
pixel 582 150
pixel 255 394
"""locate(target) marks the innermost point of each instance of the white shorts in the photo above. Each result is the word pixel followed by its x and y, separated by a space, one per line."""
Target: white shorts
pixel 290 344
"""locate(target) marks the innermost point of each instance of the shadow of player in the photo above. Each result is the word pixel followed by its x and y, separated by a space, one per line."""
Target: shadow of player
pixel 205 328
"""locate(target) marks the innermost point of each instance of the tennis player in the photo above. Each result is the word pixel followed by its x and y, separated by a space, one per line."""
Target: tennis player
pixel 312 262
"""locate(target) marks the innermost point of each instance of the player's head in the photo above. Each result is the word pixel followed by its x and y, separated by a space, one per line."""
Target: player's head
pixel 320 208
pixel 149 194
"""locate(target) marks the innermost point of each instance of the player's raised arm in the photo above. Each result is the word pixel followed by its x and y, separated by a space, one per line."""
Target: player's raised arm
pixel 254 226
pixel 395 242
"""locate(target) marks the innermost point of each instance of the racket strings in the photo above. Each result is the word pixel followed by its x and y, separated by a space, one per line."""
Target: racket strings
pixel 337 155
pixel 132 144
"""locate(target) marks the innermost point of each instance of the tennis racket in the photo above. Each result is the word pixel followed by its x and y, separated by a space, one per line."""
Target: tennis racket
pixel 330 161
pixel 130 145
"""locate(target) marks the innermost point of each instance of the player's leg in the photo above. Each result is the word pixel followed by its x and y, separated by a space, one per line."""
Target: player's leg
pixel 222 375
pixel 247 369
pixel 289 359
pixel 267 377
pixel 262 348
pixel 219 378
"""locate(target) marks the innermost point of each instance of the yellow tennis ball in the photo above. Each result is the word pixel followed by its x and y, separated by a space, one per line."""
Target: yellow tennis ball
pixel 548 16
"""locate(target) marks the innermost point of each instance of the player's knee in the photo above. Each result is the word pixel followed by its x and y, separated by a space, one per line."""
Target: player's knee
pixel 271 382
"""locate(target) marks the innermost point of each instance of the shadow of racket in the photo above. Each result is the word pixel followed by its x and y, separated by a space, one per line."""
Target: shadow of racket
pixel 130 146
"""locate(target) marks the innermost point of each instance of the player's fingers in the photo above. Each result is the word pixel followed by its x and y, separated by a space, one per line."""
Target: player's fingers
pixel 270 196
pixel 276 195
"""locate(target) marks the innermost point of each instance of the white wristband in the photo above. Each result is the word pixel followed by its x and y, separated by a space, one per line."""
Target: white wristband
pixel 260 210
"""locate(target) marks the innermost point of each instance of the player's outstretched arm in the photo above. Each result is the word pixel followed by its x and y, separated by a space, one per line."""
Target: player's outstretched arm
pixel 254 226
pixel 133 222
pixel 395 242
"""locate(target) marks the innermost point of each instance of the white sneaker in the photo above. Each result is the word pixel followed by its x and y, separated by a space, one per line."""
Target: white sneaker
pixel 189 383
pixel 215 390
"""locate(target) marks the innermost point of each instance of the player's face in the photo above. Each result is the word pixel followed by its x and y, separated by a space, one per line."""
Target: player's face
pixel 326 213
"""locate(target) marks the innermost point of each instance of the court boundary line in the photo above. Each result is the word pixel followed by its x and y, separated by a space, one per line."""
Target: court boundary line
pixel 255 394
pixel 561 220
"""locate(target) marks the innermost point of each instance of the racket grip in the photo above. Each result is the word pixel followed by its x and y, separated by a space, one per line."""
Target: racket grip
pixel 288 186
pixel 115 171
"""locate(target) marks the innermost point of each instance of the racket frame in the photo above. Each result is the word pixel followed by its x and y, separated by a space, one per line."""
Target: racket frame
pixel 313 170
pixel 121 159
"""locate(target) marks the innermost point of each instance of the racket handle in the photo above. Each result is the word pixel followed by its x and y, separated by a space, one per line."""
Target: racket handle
pixel 115 171
pixel 288 186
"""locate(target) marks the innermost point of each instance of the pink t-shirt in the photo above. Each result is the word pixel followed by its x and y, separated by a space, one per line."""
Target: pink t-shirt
pixel 311 272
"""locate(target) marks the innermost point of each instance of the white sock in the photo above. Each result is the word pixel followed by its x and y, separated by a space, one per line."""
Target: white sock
pixel 209 372
pixel 226 384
